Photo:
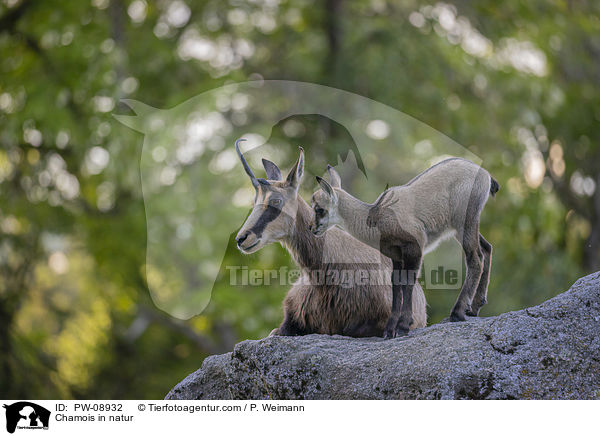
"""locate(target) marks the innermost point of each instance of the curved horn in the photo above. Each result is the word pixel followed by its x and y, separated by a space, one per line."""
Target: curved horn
pixel 246 166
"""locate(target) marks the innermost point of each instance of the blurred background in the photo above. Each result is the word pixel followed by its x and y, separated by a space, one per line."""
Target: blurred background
pixel 515 83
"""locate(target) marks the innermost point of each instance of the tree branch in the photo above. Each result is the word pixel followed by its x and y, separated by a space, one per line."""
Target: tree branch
pixel 204 343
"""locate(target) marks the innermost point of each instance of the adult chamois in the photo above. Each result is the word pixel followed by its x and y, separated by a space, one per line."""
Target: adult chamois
pixel 407 221
pixel 322 300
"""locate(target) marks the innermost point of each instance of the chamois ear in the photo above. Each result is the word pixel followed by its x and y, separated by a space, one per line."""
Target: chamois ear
pixel 272 170
pixel 327 189
pixel 295 176
pixel 334 177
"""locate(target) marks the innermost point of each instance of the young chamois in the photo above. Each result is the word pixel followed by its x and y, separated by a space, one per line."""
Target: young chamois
pixel 407 221
pixel 320 301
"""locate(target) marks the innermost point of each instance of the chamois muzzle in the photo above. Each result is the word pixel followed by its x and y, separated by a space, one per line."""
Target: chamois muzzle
pixel 246 241
pixel 318 229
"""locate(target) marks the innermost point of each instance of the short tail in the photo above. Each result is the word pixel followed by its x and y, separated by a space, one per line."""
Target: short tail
pixel 494 186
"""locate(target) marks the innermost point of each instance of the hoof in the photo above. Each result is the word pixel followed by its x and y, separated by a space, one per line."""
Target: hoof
pixel 456 317
pixel 475 308
pixel 472 312
pixel 401 331
pixel 389 334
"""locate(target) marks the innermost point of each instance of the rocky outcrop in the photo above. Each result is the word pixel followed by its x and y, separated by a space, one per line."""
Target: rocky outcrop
pixel 543 352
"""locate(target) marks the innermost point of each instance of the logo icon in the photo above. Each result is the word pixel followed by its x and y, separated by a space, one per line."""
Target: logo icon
pixel 26 415
pixel 191 178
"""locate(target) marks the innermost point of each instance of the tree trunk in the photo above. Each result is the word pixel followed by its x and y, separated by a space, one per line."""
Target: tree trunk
pixel 6 376
pixel 332 28
pixel 591 251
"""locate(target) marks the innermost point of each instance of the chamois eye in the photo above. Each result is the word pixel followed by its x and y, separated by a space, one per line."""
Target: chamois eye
pixel 275 202
pixel 319 210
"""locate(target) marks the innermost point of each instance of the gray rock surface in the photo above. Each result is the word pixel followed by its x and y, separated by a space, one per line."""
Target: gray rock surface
pixel 550 351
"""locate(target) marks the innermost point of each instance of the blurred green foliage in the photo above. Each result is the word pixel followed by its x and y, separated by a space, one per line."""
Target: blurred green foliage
pixel 515 82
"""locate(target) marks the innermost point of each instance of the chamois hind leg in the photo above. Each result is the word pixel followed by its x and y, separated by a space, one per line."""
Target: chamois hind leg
pixel 474 258
pixel 480 298
pixel 412 262
pixel 365 330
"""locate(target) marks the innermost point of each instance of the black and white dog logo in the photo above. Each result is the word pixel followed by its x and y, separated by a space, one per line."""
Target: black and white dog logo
pixel 26 415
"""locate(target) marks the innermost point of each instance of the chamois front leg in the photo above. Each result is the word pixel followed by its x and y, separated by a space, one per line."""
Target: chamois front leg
pixel 390 328
pixel 412 262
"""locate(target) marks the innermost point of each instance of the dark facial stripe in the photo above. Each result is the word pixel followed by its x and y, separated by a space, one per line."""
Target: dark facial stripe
pixel 320 216
pixel 270 214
